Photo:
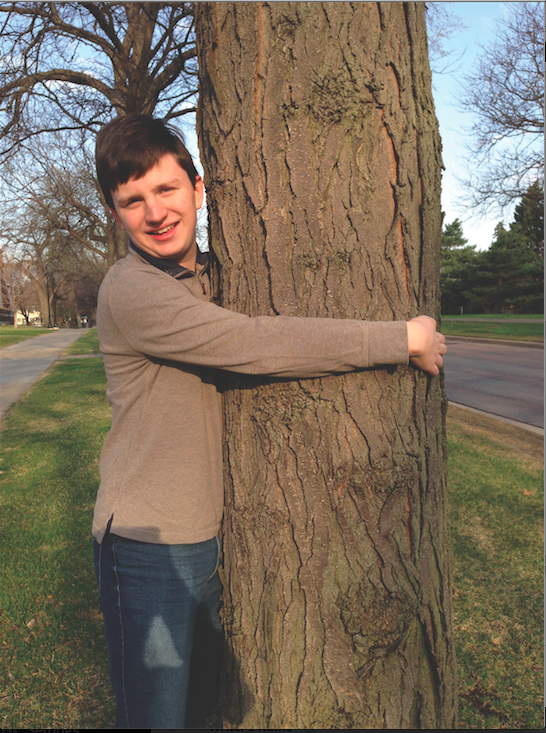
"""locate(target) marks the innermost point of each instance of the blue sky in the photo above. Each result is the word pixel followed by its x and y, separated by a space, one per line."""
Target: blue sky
pixel 480 19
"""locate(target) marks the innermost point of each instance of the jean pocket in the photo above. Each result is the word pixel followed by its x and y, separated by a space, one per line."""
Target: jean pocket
pixel 217 557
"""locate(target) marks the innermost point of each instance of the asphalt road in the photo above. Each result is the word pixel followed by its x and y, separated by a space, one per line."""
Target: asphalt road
pixel 502 380
pixel 22 364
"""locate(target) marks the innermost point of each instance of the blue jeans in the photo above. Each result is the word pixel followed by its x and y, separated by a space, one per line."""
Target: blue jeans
pixel 151 597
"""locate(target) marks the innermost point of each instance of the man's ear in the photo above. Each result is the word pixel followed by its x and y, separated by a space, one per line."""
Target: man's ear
pixel 116 217
pixel 199 192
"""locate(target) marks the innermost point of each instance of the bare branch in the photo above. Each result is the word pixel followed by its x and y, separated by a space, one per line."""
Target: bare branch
pixel 506 95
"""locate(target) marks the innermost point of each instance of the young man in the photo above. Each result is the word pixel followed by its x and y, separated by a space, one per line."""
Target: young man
pixel 160 501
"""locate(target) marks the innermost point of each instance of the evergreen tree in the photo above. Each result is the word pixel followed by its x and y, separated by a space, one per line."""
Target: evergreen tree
pixel 529 215
pixel 513 274
pixel 457 269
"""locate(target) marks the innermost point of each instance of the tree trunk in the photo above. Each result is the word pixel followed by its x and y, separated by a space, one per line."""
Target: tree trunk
pixel 322 165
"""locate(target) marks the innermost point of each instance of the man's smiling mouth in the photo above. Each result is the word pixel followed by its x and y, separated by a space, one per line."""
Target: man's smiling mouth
pixel 163 230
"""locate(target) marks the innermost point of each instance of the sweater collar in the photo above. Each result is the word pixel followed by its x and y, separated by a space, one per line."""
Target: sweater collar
pixel 168 266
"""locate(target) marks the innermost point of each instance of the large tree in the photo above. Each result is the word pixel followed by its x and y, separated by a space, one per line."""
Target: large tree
pixel 322 165
pixel 505 94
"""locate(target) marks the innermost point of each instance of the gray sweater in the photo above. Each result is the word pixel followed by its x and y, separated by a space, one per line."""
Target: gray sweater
pixel 162 340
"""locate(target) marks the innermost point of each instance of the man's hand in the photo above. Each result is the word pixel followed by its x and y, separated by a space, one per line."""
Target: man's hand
pixel 426 345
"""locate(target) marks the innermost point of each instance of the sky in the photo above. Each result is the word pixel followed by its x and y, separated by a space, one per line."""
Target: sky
pixel 480 20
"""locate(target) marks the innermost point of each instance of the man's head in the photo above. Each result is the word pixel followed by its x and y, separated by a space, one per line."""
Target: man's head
pixel 151 185
pixel 129 146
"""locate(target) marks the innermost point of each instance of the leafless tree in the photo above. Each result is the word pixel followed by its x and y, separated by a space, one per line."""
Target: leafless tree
pixel 54 176
pixel 442 24
pixel 51 217
pixel 506 95
pixel 73 65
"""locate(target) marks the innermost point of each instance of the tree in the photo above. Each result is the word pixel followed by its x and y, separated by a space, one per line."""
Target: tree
pixel 506 95
pixel 511 275
pixel 322 166
pixel 529 215
pixel 73 65
pixel 506 278
pixel 457 269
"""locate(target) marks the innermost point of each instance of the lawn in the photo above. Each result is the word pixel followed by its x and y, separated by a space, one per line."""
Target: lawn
pixel 497 316
pixel 10 335
pixel 53 665
pixel 86 344
pixel 487 328
pixel 496 481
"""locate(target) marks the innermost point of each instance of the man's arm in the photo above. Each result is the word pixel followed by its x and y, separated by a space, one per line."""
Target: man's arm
pixel 425 344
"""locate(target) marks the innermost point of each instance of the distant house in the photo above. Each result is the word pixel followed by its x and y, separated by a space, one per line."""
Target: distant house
pixel 34 316
pixel 6 313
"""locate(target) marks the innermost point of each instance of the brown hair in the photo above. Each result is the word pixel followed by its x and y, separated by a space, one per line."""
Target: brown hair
pixel 129 146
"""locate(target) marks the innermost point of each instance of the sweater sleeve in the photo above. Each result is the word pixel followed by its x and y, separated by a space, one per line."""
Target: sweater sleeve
pixel 158 316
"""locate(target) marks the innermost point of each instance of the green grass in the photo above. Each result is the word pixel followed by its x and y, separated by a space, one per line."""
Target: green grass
pixel 10 335
pixel 496 494
pixel 497 316
pixel 487 329
pixel 53 661
pixel 86 344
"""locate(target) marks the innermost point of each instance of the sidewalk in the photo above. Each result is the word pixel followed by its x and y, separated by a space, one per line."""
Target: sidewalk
pixel 23 363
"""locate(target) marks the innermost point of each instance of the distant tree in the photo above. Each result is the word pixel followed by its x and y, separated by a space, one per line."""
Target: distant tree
pixel 529 215
pixel 77 294
pixel 511 275
pixel 55 179
pixel 505 92
pixel 442 24
pixel 457 268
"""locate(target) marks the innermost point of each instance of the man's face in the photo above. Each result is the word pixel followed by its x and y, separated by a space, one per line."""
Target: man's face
pixel 159 211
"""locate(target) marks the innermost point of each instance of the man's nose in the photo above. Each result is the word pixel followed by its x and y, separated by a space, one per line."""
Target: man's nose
pixel 154 211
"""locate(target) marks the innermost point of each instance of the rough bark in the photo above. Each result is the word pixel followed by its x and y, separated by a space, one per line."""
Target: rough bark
pixel 322 165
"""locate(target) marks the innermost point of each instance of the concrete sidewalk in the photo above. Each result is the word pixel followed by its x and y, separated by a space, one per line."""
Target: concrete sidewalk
pixel 23 363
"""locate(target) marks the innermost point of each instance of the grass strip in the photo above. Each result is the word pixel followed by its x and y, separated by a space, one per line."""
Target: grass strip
pixel 496 495
pixel 10 335
pixel 497 316
pixel 53 661
pixel 86 344
pixel 488 329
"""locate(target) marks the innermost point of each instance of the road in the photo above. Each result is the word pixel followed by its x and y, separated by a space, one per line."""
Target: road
pixel 21 364
pixel 503 380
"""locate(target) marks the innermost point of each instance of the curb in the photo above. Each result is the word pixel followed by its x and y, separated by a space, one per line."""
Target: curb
pixel 515 423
